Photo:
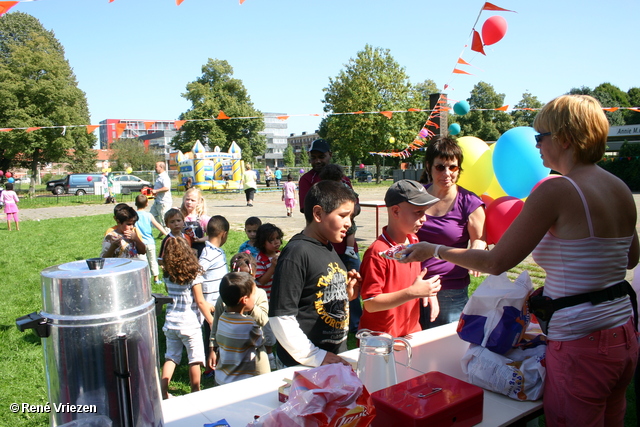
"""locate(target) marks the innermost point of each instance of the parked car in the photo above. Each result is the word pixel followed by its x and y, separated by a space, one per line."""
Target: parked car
pixel 363 175
pixel 131 182
pixel 75 183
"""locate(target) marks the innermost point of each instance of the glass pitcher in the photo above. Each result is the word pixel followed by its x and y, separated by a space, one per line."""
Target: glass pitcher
pixel 376 362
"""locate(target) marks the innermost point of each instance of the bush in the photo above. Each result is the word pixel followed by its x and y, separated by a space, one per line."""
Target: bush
pixel 626 166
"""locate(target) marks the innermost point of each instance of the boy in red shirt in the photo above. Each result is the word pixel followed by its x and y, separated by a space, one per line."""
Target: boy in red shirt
pixel 391 291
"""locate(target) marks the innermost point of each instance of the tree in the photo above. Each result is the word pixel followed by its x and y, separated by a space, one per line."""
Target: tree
pixel 633 117
pixel 38 89
pixel 488 124
pixel 82 160
pixel 289 157
pixel 611 96
pixel 129 152
pixel 304 157
pixel 372 82
pixel 216 90
pixel 526 117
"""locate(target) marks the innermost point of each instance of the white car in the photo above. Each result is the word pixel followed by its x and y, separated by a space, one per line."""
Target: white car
pixel 131 182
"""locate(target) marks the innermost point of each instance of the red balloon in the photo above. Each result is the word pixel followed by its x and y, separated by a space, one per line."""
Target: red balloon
pixel 1 173
pixel 8 174
pixel 493 30
pixel 500 215
pixel 361 165
pixel 89 178
pixel 546 178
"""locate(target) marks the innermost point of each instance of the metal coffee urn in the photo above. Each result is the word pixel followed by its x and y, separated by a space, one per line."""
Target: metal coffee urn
pixel 99 334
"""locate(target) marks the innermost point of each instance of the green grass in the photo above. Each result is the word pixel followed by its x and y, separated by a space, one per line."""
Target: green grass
pixel 41 244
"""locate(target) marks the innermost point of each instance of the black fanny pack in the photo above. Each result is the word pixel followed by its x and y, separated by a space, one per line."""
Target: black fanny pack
pixel 543 307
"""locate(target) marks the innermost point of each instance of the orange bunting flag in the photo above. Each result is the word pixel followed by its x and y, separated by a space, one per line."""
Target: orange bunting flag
pixel 6 5
pixel 120 127
pixel 111 1
pixel 222 116
pixel 462 61
pixel 6 130
pixel 503 108
pixel 91 128
pixel 241 1
pixel 147 125
pixel 282 117
pixel 476 43
pixel 178 123
pixel 387 114
pixel 458 71
pixel 414 109
pixel 179 2
pixel 637 110
pixel 490 6
pixel 32 129
pixel 611 110
pixel 359 112
pixel 446 86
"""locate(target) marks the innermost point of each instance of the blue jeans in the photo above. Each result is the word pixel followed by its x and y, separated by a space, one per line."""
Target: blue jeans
pixel 451 302
pixel 355 306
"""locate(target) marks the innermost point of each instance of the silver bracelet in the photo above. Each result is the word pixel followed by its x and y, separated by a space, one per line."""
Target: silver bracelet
pixel 435 252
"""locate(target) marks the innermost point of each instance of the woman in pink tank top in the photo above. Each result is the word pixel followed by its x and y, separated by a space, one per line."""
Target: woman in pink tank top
pixel 583 231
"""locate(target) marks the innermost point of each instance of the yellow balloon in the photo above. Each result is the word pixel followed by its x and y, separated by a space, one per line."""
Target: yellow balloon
pixel 495 191
pixel 477 165
pixel 392 140
pixel 129 170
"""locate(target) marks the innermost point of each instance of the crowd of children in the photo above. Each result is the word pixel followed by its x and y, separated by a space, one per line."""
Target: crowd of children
pixel 232 318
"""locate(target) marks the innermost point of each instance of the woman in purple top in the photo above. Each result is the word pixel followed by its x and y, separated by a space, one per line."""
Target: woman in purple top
pixel 457 220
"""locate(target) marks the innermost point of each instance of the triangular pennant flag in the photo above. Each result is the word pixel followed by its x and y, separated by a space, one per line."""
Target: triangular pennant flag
pixel 222 116
pixel 414 109
pixel 476 44
pixel 458 71
pixel 637 110
pixel 178 123
pixel 446 86
pixel 111 1
pixel 490 6
pixel 387 114
pixel 241 1
pixel 611 110
pixel 179 2
pixel 503 108
pixel 91 128
pixel 6 5
pixel 358 112
pixel 6 130
pixel 424 133
pixel 282 117
pixel 120 127
pixel 32 129
pixel 462 61
pixel 148 124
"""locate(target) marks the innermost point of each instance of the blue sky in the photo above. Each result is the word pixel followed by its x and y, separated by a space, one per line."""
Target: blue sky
pixel 133 58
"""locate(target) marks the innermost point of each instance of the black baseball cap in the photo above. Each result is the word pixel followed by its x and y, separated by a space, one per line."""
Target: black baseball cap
pixel 320 145
pixel 409 191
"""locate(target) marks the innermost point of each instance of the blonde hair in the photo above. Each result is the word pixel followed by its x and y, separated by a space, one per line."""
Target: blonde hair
pixel 200 207
pixel 578 120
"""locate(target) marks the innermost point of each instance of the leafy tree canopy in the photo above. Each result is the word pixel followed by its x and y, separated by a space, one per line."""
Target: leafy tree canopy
pixel 487 125
pixel 288 156
pixel 38 89
pixel 132 153
pixel 216 90
pixel 526 117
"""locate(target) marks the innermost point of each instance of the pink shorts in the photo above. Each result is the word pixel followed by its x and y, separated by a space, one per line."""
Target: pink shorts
pixel 290 203
pixel 587 378
pixel 13 215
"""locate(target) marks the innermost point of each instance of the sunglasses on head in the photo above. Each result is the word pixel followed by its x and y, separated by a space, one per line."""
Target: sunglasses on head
pixel 452 168
pixel 539 136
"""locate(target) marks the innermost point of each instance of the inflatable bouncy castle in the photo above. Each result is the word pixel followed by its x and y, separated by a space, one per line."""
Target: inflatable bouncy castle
pixel 210 170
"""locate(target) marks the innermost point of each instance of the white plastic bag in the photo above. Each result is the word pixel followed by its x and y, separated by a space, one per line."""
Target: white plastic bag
pixel 518 374
pixel 495 316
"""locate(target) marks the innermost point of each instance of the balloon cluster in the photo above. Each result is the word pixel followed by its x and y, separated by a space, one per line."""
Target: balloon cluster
pixel 460 108
pixel 504 174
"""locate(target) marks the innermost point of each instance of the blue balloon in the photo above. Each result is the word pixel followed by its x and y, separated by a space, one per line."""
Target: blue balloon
pixel 10 180
pixel 461 108
pixel 517 163
pixel 454 128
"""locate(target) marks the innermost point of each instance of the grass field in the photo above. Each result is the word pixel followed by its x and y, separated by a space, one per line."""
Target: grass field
pixel 41 244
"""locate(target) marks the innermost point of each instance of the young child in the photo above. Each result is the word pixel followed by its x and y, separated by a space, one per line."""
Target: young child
pixel 213 261
pixel 145 221
pixel 289 194
pixel 392 291
pixel 123 240
pixel 251 228
pixel 184 315
pixel 10 201
pixel 309 306
pixel 174 220
pixel 239 337
pixel 195 219
pixel 268 241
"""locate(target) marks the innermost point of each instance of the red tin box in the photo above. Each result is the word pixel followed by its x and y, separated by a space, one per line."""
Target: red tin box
pixel 432 399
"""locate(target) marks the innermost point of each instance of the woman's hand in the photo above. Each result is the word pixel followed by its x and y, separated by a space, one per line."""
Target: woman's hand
pixel 418 252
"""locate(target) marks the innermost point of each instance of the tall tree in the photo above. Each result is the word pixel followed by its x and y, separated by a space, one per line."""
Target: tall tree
pixel 38 89
pixel 371 82
pixel 289 157
pixel 487 124
pixel 216 90
pixel 633 117
pixel 526 117
pixel 612 96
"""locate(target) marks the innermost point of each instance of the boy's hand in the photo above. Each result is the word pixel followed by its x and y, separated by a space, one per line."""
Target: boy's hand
pixel 354 282
pixel 425 288
pixel 211 362
pixel 334 358
pixel 274 260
